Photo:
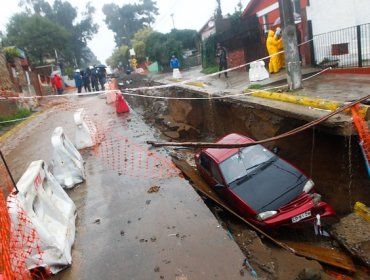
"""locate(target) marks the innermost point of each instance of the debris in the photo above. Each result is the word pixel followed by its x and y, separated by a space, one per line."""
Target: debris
pixel 153 239
pixel 333 258
pixel 122 232
pixel 156 269
pixel 97 221
pixel 153 189
pixel 362 210
pixel 353 233
pixel 309 274
pixel 250 268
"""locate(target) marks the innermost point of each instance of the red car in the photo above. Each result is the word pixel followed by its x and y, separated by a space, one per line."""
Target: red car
pixel 265 189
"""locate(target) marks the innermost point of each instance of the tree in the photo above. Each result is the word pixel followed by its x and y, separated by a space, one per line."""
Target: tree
pixel 65 15
pixel 187 37
pixel 236 16
pixel 37 35
pixel 138 42
pixel 160 47
pixel 218 12
pixel 119 57
pixel 125 21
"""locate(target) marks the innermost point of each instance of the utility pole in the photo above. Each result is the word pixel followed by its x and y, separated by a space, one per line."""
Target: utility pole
pixel 293 65
pixel 173 22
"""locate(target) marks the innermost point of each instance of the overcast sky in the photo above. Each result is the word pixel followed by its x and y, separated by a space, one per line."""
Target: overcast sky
pixel 187 14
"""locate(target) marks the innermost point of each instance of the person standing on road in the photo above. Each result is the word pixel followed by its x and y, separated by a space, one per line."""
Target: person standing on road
pixel 175 66
pixel 221 53
pixel 58 83
pixel 86 80
pixel 94 79
pixel 78 80
pixel 102 77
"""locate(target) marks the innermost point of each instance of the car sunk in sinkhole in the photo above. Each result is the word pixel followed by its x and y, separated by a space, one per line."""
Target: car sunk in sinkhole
pixel 264 188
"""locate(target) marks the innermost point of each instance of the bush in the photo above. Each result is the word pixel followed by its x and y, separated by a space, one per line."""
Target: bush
pixel 21 113
pixel 210 70
pixel 209 52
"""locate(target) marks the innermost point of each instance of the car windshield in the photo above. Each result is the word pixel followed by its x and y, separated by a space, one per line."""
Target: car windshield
pixel 244 161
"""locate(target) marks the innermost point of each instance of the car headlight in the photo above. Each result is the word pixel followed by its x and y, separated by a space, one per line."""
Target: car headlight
pixel 308 186
pixel 265 215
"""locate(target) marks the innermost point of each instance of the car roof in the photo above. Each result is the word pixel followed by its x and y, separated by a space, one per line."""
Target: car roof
pixel 220 154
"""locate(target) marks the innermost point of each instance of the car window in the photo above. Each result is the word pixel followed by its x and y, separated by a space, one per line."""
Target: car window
pixel 205 162
pixel 255 155
pixel 244 162
pixel 215 173
pixel 233 168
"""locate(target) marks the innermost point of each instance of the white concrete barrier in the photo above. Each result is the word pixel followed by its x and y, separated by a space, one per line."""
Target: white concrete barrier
pixel 176 74
pixel 111 97
pixel 67 162
pixel 50 212
pixel 85 136
pixel 257 71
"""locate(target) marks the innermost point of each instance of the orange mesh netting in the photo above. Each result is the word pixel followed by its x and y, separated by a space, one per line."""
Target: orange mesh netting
pixel 17 241
pixel 364 134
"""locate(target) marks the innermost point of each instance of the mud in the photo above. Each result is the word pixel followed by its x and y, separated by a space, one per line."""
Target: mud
pixel 353 232
pixel 334 162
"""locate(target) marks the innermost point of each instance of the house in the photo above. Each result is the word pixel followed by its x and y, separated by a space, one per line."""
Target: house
pixel 208 29
pixel 268 15
pixel 234 35
pixel 346 39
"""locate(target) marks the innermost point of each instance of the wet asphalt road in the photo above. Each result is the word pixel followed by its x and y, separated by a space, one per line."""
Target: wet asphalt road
pixel 123 231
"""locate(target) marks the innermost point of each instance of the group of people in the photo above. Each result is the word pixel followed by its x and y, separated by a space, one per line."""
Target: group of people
pixel 90 78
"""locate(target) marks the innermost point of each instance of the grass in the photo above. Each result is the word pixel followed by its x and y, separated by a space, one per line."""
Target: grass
pixel 255 86
pixel 21 113
pixel 210 70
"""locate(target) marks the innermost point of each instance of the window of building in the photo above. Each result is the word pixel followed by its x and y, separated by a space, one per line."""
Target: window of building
pixel 265 23
pixel 297 6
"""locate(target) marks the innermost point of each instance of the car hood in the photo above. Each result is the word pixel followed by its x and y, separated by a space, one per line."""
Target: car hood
pixel 270 186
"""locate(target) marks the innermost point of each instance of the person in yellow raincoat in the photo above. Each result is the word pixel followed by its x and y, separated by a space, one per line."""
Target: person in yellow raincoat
pixel 281 56
pixel 272 45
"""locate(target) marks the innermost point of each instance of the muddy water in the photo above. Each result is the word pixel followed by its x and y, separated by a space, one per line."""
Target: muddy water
pixel 334 162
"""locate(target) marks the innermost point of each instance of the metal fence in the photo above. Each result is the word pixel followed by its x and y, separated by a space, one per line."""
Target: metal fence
pixel 349 47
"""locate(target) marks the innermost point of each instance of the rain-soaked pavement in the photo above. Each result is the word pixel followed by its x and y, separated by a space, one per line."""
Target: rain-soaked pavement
pixel 124 231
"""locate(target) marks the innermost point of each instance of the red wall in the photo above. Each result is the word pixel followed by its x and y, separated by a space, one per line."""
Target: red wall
pixel 236 58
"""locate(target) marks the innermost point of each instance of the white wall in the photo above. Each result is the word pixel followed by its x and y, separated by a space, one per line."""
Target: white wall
pixel 331 15
pixel 335 15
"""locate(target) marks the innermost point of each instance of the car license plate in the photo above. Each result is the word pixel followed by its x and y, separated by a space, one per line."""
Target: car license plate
pixel 301 216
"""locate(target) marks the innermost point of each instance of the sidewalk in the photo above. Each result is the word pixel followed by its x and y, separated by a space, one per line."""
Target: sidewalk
pixel 340 87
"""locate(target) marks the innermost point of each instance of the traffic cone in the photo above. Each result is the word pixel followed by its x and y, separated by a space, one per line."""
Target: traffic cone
pixel 121 105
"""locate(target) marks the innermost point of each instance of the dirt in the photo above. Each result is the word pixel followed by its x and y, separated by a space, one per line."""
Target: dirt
pixel 267 260
pixel 353 232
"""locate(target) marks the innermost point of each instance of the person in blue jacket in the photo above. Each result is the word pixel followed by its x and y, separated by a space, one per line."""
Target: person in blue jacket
pixel 174 62
pixel 175 65
pixel 78 80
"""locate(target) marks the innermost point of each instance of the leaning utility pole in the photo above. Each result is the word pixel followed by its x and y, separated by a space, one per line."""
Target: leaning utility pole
pixel 293 65
pixel 173 22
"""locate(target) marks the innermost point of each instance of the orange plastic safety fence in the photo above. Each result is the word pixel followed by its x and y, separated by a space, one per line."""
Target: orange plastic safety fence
pixel 17 241
pixel 363 132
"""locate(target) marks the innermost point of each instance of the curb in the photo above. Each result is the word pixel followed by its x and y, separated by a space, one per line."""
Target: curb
pixel 310 102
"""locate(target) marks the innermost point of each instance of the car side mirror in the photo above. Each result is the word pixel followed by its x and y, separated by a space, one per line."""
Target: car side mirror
pixel 276 150
pixel 219 186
